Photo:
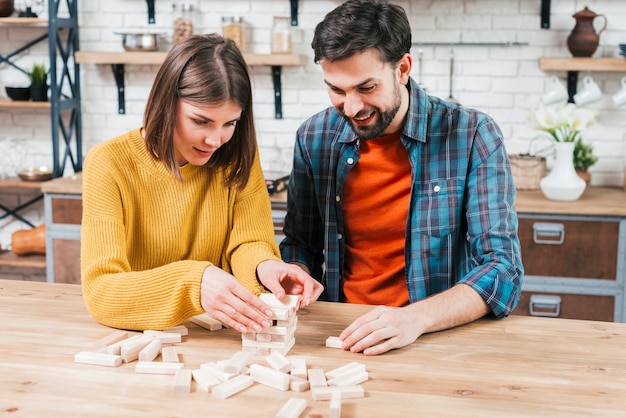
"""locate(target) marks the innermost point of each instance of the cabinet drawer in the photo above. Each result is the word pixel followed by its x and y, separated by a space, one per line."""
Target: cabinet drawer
pixel 66 253
pixel 569 248
pixel 589 307
pixel 66 210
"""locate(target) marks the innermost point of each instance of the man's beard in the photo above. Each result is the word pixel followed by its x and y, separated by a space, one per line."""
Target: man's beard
pixel 383 121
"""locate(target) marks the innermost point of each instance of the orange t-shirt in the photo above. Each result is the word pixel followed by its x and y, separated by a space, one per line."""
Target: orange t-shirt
pixel 375 207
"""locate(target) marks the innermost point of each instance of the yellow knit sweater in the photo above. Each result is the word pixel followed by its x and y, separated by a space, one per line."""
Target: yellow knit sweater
pixel 146 237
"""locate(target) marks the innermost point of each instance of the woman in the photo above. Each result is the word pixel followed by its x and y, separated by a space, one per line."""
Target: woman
pixel 174 211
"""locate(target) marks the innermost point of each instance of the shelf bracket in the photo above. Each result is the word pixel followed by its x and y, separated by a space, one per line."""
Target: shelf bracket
pixel 118 73
pixel 278 94
pixel 151 19
pixel 545 14
pixel 294 12
pixel 572 82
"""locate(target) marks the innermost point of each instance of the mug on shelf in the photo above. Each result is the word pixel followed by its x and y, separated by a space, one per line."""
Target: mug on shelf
pixel 555 92
pixel 590 92
pixel 619 98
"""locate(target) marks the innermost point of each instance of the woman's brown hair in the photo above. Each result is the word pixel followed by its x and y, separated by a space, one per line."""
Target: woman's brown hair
pixel 203 69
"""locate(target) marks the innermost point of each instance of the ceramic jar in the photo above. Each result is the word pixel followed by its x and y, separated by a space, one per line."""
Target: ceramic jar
pixel 6 8
pixel 563 183
pixel 583 41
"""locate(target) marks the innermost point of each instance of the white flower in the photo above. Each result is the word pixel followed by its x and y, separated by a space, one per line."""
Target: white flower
pixel 563 122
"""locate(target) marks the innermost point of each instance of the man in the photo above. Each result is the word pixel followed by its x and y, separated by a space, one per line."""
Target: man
pixel 397 198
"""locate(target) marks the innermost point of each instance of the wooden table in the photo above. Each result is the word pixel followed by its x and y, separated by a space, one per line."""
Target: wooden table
pixel 517 367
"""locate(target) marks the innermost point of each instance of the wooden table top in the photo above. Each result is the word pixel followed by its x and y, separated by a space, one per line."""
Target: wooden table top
pixel 516 367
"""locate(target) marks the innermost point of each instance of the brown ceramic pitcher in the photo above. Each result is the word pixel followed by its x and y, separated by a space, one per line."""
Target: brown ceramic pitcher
pixel 6 8
pixel 583 41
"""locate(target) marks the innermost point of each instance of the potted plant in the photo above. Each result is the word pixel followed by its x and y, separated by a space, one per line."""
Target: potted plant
pixel 583 159
pixel 38 76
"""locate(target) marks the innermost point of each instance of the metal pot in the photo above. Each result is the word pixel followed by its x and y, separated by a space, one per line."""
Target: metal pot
pixel 139 41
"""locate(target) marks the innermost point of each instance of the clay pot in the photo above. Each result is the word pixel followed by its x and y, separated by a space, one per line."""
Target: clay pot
pixel 585 175
pixel 583 41
pixel 6 8
pixel 29 241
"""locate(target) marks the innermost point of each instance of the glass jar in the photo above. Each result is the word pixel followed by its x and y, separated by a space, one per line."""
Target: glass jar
pixel 232 28
pixel 183 21
pixel 281 35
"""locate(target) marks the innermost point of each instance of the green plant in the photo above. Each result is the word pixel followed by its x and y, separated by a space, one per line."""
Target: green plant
pixel 37 75
pixel 583 155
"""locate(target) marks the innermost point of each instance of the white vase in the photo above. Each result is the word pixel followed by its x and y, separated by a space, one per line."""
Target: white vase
pixel 563 183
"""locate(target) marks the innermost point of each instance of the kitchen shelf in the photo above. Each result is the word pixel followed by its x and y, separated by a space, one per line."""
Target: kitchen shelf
pixel 9 259
pixel 118 60
pixel 18 104
pixel 573 65
pixel 22 21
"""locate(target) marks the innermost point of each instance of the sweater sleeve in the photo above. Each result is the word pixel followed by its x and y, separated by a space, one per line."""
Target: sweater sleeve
pixel 115 295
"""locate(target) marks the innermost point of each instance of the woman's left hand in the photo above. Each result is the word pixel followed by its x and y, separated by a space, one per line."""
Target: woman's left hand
pixel 283 278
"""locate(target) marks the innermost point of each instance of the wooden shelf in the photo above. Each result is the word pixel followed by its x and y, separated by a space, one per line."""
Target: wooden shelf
pixel 23 21
pixel 9 259
pixel 583 64
pixel 157 57
pixel 17 104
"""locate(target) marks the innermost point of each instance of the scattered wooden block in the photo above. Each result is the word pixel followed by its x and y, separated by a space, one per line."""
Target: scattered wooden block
pixel 157 367
pixel 116 348
pixel 165 337
pixel 205 380
pixel 98 359
pixel 299 367
pixel 178 329
pixel 112 338
pixel 229 388
pixel 269 377
pixel 349 379
pixel 238 362
pixel 292 408
pixel 298 385
pixel 317 377
pixel 182 381
pixel 150 351
pixel 333 342
pixel 130 351
pixel 346 368
pixel 206 321
pixel 279 362
pixel 217 371
pixel 169 354
pixel 325 393
pixel 335 405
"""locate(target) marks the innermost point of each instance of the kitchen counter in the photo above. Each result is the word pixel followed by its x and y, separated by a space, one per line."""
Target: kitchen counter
pixel 516 367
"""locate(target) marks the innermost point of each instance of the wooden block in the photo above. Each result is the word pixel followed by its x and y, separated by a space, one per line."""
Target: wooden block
pixel 217 371
pixel 98 359
pixel 335 405
pixel 130 352
pixel 112 338
pixel 269 377
pixel 232 387
pixel 346 368
pixel 205 380
pixel 178 329
pixel 324 393
pixel 299 367
pixel 293 408
pixel 116 348
pixel 169 354
pixel 165 337
pixel 157 367
pixel 182 381
pixel 206 321
pixel 288 302
pixel 298 385
pixel 150 351
pixel 349 379
pixel 238 362
pixel 279 362
pixel 263 338
pixel 317 377
pixel 333 342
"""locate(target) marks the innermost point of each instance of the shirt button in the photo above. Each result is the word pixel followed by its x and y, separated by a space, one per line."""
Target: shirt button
pixel 337 198
pixel 350 161
pixel 339 236
pixel 436 188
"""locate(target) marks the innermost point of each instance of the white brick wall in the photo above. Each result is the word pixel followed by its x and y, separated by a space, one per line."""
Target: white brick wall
pixel 502 81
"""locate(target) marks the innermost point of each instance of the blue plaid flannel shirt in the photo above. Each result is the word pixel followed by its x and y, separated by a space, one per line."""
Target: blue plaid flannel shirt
pixel 462 222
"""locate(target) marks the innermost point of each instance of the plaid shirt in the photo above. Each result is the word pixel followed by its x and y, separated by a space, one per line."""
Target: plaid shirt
pixel 462 223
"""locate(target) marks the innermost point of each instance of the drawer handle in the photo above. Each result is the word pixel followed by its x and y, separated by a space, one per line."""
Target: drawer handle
pixel 545 305
pixel 548 233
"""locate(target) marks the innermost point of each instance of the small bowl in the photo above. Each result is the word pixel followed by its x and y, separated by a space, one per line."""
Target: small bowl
pixel 42 173
pixel 21 94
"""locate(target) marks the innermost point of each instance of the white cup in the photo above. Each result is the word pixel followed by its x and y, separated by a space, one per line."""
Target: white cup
pixel 555 92
pixel 589 93
pixel 619 98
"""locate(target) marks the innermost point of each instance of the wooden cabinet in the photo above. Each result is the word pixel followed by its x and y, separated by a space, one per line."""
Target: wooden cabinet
pixel 574 255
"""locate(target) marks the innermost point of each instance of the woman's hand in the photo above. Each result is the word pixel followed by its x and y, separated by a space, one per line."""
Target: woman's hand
pixel 224 298
pixel 283 278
